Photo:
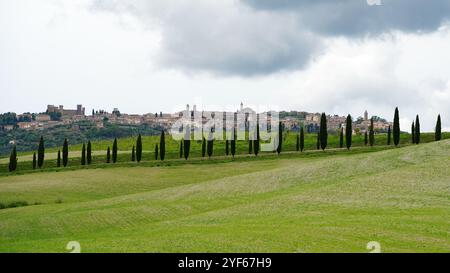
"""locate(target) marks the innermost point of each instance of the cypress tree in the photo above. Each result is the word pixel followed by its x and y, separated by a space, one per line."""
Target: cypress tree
pixel 396 129
pixel 302 139
pixel 89 153
pixel 139 149
pixel 13 159
pixel 297 144
pixel 280 137
pixel 133 154
pixel 227 147
pixel 417 134
pixel 318 140
pixel 65 152
pixel 181 149
pixel 323 132
pixel 203 147
pixel 34 161
pixel 438 132
pixel 58 160
pixel 341 138
pixel 41 152
pixel 366 138
pixel 250 146
pixel 233 143
pixel 413 133
pixel 256 142
pixel 162 146
pixel 210 145
pixel 389 136
pixel 371 133
pixel 114 151
pixel 348 132
pixel 83 155
pixel 156 152
pixel 187 147
pixel 108 155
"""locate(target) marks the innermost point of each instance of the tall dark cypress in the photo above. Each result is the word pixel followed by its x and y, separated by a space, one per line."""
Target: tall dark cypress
pixel 41 152
pixel 114 151
pixel 233 143
pixel 438 131
pixel 280 137
pixel 65 152
pixel 297 143
pixel 318 140
pixel 341 138
pixel 181 149
pixel 210 145
pixel 58 160
pixel 389 136
pixel 366 138
pixel 396 129
pixel 162 146
pixel 13 159
pixel 108 155
pixel 89 153
pixel 203 147
pixel 348 132
pixel 34 161
pixel 323 132
pixel 187 143
pixel 256 142
pixel 250 146
pixel 417 134
pixel 227 147
pixel 83 155
pixel 139 149
pixel 413 133
pixel 302 139
pixel 371 133
pixel 156 152
pixel 133 154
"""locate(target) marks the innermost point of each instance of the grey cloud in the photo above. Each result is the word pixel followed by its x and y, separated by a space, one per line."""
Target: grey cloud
pixel 356 17
pixel 222 37
pixel 259 37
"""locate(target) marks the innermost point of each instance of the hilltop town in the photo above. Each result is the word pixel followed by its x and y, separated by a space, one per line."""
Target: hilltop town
pixel 58 115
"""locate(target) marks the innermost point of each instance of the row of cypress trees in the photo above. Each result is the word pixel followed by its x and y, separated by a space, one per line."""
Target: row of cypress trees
pixel 254 145
pixel 369 137
pixel 136 152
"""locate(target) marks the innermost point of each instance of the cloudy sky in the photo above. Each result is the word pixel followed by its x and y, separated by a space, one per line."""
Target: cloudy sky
pixel 146 56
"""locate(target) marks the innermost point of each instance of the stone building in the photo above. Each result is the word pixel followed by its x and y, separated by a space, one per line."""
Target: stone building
pixel 80 111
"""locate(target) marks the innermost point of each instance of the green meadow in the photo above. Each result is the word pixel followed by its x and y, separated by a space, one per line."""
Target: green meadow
pixel 315 201
pixel 172 149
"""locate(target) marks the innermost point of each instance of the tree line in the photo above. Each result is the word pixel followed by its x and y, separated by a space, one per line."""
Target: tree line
pixel 345 137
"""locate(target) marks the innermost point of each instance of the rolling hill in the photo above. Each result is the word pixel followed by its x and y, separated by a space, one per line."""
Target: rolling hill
pixel 335 202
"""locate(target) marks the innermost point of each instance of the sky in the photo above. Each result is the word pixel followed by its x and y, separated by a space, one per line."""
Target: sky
pixel 339 57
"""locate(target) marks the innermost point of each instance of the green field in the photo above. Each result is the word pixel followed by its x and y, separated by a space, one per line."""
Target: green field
pixel 332 201
pixel 172 149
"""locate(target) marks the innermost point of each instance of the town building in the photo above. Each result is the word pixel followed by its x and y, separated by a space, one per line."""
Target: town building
pixel 43 118
pixel 80 111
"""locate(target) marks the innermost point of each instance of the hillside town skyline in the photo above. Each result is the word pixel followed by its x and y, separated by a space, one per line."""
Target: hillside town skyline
pixel 59 115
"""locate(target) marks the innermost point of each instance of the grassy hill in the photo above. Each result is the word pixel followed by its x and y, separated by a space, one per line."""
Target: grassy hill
pixel 332 201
